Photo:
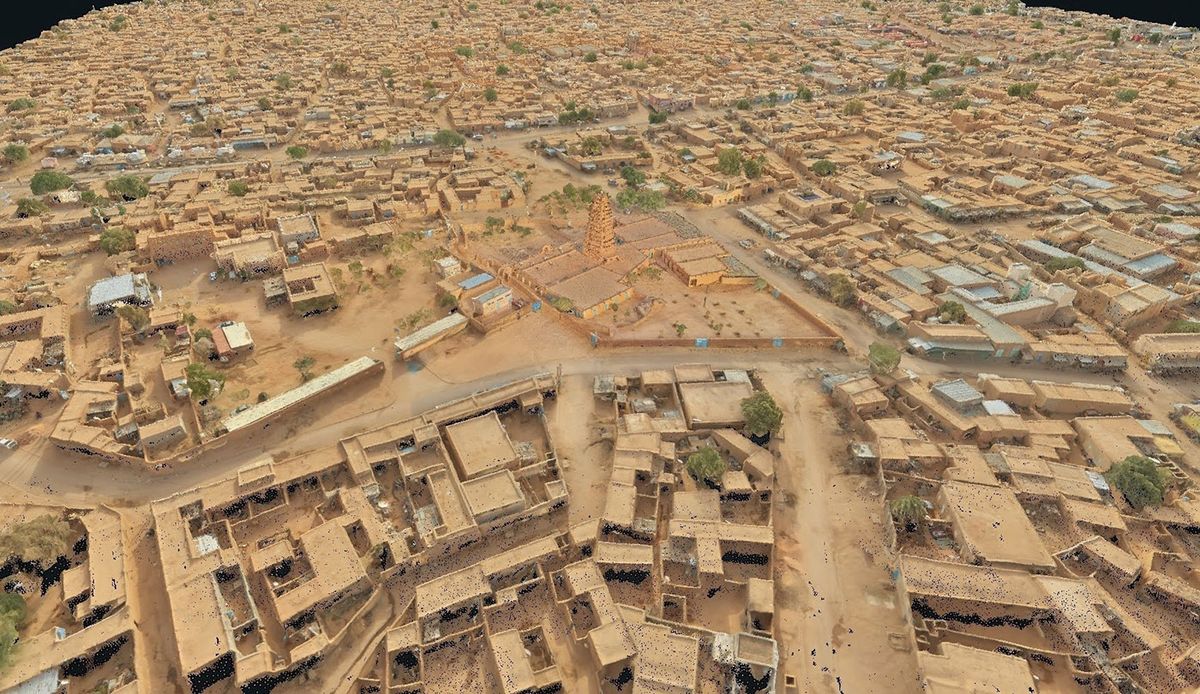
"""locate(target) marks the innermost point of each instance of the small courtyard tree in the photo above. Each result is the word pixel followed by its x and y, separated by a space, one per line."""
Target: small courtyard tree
pixel 114 240
pixel 136 316
pixel 952 312
pixel 882 358
pixel 1139 480
pixel 842 290
pixel 127 187
pixel 202 381
pixel 304 366
pixel 909 511
pixel 706 465
pixel 40 540
pixel 762 414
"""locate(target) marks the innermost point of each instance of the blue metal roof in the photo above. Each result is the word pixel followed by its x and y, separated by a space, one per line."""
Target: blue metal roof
pixel 475 281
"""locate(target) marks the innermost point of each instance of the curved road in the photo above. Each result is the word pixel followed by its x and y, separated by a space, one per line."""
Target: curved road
pixel 42 472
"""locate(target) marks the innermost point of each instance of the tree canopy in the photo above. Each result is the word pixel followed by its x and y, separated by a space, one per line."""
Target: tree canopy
pixel 31 207
pixel 448 139
pixel 12 614
pixel 1022 90
pixel 729 161
pixel 823 167
pixel 297 152
pixel 762 414
pixel 1139 480
pixel 706 465
pixel 136 316
pixel 116 240
pixel 641 199
pixel 909 510
pixel 127 187
pixel 842 290
pixel 952 312
pixel 15 154
pixel 202 381
pixel 633 176
pixel 41 540
pixel 1056 264
pixel 882 358
pixel 49 181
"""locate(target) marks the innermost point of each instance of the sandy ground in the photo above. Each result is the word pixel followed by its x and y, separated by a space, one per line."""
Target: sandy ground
pixel 711 312
pixel 835 605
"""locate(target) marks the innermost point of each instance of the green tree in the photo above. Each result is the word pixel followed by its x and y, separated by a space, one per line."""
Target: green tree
pixel 264 104
pixel 465 51
pixel 202 381
pixel 762 414
pixel 909 510
pixel 114 240
pixel 729 161
pixel 114 130
pixel 976 10
pixel 238 188
pixel 7 307
pixel 753 168
pixel 590 57
pixel 853 107
pixel 657 117
pixel 1126 95
pixel 21 104
pixel 126 187
pixel 952 312
pixel 40 540
pixel 1183 325
pixel 137 317
pixel 339 69
pixel 641 199
pixel 31 207
pixel 842 291
pixel 897 78
pixel 1139 480
pixel 49 181
pixel 448 139
pixel 932 72
pixel 283 81
pixel 823 167
pixel 489 94
pixel 882 358
pixel 304 366
pixel 1022 90
pixel 742 104
pixel 8 641
pixel 633 176
pixel 1012 8
pixel 680 329
pixel 706 465
pixel 804 94
pixel 15 154
pixel 502 69
pixel 1056 264
pixel 297 152
pixel 1113 35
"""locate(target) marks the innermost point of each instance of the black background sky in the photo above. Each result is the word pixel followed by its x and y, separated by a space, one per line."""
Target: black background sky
pixel 25 19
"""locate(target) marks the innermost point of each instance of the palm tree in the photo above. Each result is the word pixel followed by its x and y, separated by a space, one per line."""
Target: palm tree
pixel 909 510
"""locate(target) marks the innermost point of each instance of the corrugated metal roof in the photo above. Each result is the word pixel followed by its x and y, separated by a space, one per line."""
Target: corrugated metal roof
pixel 475 281
pixel 958 391
pixel 263 410
pixel 432 330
